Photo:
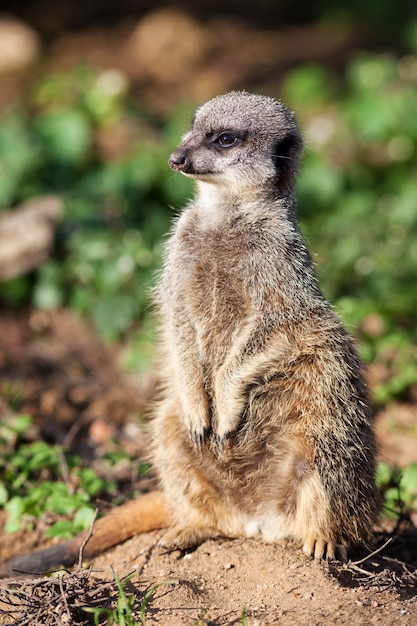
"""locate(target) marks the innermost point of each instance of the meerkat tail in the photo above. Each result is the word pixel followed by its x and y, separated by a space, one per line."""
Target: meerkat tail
pixel 145 513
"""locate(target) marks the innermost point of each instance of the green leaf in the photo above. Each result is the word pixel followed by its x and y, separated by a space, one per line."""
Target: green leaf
pixel 308 83
pixel 62 529
pixel 409 479
pixel 15 508
pixel 22 423
pixel 113 315
pixel 66 135
pixel 83 518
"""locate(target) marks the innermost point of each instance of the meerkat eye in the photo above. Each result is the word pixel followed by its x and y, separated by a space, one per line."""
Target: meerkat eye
pixel 227 140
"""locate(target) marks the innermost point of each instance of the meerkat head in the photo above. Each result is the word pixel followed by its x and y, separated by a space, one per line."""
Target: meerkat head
pixel 242 142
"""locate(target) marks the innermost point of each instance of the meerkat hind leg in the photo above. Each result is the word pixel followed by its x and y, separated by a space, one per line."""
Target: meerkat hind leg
pixel 311 519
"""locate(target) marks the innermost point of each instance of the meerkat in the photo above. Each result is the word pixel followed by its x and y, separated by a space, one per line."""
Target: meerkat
pixel 263 427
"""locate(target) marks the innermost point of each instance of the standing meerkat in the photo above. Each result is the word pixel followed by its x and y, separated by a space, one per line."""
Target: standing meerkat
pixel 263 427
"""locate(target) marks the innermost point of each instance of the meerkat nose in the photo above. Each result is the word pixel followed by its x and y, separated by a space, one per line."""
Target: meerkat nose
pixel 177 160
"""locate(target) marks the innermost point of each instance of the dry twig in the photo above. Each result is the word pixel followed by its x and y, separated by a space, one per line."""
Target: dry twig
pixel 87 539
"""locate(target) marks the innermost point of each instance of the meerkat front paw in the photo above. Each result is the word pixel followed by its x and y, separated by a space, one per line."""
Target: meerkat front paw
pixel 197 422
pixel 227 424
pixel 228 411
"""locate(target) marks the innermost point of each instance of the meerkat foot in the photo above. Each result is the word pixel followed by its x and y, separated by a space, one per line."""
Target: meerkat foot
pixel 319 548
pixel 187 537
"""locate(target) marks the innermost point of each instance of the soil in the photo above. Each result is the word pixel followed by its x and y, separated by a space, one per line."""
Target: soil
pixel 274 583
pixel 71 383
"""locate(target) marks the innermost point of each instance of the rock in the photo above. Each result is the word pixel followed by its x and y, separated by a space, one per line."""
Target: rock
pixel 167 46
pixel 26 235
pixel 19 44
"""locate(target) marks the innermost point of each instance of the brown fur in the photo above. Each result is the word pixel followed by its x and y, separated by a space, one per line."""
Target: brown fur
pixel 263 427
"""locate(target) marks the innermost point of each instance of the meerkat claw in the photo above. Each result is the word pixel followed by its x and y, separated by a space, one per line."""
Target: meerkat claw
pixel 198 438
pixel 223 442
pixel 220 442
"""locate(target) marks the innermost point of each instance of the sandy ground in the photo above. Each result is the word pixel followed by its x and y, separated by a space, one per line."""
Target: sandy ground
pixel 274 584
pixel 247 582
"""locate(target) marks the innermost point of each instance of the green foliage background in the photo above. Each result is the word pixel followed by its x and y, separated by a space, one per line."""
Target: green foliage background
pixel 357 203
pixel 357 198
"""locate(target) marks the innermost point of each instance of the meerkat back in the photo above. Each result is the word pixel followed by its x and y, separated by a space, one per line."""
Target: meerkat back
pixel 263 427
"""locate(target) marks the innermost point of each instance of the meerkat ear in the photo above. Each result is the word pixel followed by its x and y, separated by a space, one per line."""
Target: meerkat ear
pixel 285 156
pixel 284 152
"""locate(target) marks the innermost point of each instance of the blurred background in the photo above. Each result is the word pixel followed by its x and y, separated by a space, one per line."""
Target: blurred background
pixel 93 98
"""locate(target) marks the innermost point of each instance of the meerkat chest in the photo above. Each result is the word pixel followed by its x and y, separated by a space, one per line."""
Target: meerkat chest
pixel 215 301
pixel 207 286
pixel 205 265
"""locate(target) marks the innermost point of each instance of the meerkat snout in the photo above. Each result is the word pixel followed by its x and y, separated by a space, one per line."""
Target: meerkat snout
pixel 177 160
